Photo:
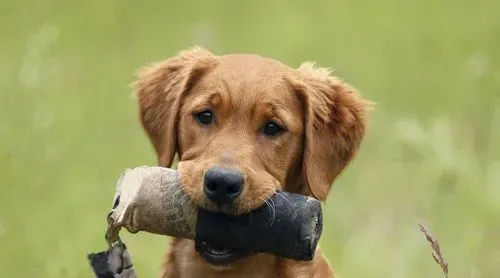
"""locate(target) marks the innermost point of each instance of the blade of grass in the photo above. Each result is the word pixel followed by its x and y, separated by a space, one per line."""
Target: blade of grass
pixel 437 254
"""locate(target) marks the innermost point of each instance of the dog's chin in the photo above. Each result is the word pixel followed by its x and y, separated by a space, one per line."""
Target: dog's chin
pixel 219 258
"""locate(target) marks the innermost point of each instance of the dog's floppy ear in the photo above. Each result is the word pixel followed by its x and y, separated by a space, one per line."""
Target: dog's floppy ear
pixel 334 125
pixel 160 88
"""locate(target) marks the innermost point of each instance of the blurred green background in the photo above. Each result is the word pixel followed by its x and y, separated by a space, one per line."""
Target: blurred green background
pixel 68 123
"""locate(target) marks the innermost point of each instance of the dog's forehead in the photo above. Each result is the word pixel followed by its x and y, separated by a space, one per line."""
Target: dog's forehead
pixel 249 69
pixel 248 76
pixel 245 61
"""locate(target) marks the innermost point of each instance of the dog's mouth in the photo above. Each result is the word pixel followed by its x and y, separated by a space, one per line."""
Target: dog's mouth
pixel 218 256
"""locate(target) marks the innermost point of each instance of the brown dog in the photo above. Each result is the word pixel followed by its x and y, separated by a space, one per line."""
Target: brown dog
pixel 244 126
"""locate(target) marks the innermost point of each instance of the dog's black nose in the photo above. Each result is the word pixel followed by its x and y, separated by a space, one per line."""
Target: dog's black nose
pixel 223 185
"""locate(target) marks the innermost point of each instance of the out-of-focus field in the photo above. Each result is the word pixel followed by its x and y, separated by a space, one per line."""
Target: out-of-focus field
pixel 68 123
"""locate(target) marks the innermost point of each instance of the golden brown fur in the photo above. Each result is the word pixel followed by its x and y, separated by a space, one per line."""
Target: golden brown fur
pixel 324 121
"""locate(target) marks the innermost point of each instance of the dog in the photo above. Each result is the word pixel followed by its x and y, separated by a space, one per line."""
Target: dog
pixel 243 126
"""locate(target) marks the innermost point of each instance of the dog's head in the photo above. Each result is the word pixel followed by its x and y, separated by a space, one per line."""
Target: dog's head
pixel 244 126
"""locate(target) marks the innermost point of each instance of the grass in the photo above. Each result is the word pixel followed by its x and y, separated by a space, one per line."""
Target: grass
pixel 437 254
pixel 68 123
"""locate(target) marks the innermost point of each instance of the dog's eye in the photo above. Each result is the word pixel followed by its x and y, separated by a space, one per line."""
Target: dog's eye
pixel 272 129
pixel 204 117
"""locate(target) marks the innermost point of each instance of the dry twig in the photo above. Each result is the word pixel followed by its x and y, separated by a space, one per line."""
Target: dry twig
pixel 437 255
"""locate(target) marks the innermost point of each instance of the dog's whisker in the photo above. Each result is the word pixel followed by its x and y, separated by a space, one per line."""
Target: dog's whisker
pixel 267 204
pixel 238 211
pixel 272 208
pixel 176 194
pixel 281 195
pixel 273 205
pixel 185 197
pixel 250 210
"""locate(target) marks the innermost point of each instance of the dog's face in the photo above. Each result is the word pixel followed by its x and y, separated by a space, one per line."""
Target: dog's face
pixel 244 126
pixel 240 134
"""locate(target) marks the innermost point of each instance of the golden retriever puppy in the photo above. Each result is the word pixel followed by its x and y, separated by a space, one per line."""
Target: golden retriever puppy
pixel 244 126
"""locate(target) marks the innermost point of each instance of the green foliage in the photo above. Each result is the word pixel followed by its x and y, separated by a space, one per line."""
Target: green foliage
pixel 68 123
